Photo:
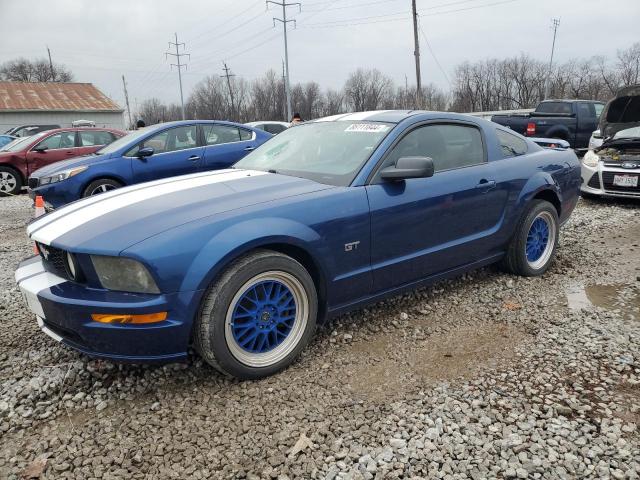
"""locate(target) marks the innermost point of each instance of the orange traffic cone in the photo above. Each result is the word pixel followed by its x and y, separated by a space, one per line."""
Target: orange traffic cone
pixel 39 206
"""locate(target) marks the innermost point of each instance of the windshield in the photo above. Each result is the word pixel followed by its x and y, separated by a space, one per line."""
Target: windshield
pixel 19 143
pixel 123 141
pixel 326 152
pixel 628 133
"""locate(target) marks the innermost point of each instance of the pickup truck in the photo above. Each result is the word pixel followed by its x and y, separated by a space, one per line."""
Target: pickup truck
pixel 570 120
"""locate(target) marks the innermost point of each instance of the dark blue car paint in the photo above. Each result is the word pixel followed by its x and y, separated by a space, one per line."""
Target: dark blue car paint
pixel 408 234
pixel 133 170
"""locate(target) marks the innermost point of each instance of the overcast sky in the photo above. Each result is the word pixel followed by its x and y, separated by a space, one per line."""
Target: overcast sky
pixel 101 40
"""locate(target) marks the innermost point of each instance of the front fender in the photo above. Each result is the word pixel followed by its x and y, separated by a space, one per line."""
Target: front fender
pixel 236 240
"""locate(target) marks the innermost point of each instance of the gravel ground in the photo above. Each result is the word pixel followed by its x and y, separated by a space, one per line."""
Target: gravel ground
pixel 485 376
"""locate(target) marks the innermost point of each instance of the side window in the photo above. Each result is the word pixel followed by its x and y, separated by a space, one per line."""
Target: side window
pixel 598 108
pixel 586 110
pixel 218 134
pixel 89 139
pixel 179 138
pixel 449 145
pixel 511 145
pixel 245 134
pixel 274 128
pixel 59 140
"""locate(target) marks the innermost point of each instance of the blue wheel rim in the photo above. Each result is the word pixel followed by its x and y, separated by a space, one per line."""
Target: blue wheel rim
pixel 537 239
pixel 263 317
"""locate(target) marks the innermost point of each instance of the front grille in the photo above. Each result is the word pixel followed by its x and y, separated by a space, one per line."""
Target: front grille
pixel 53 260
pixel 33 182
pixel 607 180
pixel 594 181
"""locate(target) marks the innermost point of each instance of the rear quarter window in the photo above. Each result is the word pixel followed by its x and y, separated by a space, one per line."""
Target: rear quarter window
pixel 510 144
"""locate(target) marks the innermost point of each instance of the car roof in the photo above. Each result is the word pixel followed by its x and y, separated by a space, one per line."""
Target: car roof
pixel 393 116
pixel 178 123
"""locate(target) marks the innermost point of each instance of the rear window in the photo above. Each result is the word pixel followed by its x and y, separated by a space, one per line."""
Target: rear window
pixel 510 144
pixel 554 107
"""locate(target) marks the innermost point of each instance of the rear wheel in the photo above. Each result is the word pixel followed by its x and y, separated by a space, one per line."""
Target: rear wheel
pixel 533 245
pixel 100 186
pixel 10 182
pixel 258 316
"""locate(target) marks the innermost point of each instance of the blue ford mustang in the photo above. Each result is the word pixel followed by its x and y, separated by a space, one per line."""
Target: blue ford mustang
pixel 243 263
pixel 163 150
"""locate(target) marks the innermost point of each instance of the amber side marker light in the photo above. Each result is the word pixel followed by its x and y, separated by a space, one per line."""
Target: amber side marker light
pixel 124 318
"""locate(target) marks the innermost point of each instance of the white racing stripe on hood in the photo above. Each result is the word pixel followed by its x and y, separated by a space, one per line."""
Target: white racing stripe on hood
pixel 49 232
pixel 85 202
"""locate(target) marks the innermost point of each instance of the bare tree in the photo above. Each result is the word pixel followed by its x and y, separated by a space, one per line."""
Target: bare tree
pixel 23 70
pixel 367 89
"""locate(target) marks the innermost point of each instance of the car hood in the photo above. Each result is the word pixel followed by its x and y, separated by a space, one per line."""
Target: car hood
pixel 63 165
pixel 621 112
pixel 111 222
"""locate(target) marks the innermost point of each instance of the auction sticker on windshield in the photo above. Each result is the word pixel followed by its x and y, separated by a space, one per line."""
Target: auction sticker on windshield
pixel 367 127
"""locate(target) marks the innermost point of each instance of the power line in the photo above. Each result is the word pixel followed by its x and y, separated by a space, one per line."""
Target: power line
pixel 179 65
pixel 426 41
pixel 284 22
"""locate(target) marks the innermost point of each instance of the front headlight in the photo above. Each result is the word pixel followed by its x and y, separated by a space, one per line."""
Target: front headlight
pixel 123 274
pixel 58 177
pixel 591 159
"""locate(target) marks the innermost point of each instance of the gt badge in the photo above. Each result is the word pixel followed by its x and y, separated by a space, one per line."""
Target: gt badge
pixel 351 246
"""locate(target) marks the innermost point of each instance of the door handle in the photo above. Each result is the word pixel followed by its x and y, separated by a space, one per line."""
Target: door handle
pixel 248 149
pixel 69 153
pixel 193 158
pixel 486 185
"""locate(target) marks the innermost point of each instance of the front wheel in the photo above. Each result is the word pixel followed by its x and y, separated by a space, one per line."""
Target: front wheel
pixel 100 186
pixel 258 316
pixel 10 182
pixel 533 246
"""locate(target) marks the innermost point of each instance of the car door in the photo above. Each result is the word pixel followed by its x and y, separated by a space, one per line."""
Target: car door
pixel 587 122
pixel 224 145
pixel 53 148
pixel 176 151
pixel 421 227
pixel 90 141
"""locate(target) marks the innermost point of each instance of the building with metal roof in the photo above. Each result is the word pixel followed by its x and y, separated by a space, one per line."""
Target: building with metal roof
pixel 56 103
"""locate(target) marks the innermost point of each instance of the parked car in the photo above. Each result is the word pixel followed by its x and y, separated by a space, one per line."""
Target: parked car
pixel 613 169
pixel 6 139
pixel 570 120
pixel 151 153
pixel 28 130
pixel 321 219
pixel 272 127
pixel 28 154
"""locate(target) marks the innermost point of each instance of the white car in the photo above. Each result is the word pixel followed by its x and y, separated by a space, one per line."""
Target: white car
pixel 613 169
pixel 272 127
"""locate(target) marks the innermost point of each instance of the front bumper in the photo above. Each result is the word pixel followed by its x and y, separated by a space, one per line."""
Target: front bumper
pixel 63 310
pixel 598 181
pixel 57 194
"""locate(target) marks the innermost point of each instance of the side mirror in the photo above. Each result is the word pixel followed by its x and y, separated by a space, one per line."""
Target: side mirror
pixel 408 167
pixel 40 148
pixel 145 152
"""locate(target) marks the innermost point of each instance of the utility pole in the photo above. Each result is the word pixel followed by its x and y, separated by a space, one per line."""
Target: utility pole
pixel 406 91
pixel 126 99
pixel 179 66
pixel 228 76
pixel 284 87
pixel 53 75
pixel 284 22
pixel 547 86
pixel 416 53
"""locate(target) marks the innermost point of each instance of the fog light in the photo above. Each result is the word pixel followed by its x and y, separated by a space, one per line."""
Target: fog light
pixel 126 318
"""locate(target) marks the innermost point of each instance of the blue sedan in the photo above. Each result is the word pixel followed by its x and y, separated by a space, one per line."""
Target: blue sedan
pixel 243 263
pixel 6 140
pixel 163 150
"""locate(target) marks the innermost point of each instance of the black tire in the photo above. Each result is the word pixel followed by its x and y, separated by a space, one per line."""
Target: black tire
pixel 100 185
pixel 10 181
pixel 214 337
pixel 515 260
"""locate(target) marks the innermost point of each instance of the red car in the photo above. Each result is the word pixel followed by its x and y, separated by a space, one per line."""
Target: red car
pixel 24 156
